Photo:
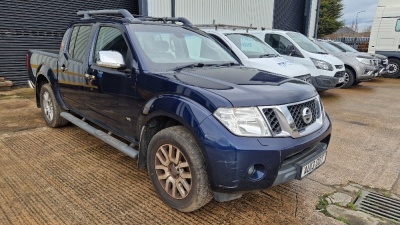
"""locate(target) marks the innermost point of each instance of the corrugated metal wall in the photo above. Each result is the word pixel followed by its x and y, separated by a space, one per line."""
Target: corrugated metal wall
pixel 290 15
pixel 40 24
pixel 235 12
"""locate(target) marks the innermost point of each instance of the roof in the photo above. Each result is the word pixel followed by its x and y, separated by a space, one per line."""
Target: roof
pixel 345 30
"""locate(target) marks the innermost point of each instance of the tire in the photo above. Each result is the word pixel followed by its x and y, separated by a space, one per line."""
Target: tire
pixel 349 79
pixel 50 108
pixel 177 144
pixel 393 70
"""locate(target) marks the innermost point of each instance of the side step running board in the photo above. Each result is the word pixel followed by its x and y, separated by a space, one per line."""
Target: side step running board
pixel 121 146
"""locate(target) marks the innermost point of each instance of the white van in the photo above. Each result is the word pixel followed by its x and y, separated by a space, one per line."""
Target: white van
pixel 385 35
pixel 253 52
pixel 326 70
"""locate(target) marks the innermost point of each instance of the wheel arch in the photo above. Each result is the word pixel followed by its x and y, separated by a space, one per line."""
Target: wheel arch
pixel 166 111
pixel 46 75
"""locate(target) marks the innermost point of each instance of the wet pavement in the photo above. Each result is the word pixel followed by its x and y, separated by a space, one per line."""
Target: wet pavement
pixel 66 176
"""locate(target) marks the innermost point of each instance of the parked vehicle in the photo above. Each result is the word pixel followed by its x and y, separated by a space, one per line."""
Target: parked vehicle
pixel 382 60
pixel 253 52
pixel 358 67
pixel 172 97
pixel 385 35
pixel 327 71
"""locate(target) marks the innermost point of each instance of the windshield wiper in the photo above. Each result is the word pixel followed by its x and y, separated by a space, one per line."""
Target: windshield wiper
pixel 224 64
pixel 188 66
pixel 268 55
pixel 322 53
pixel 202 65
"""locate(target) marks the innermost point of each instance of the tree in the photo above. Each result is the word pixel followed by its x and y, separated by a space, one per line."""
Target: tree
pixel 329 14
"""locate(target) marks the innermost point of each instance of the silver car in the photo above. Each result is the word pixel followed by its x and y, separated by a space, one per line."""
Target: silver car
pixel 359 67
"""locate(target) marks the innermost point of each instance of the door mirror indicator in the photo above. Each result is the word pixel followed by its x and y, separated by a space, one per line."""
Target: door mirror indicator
pixel 110 59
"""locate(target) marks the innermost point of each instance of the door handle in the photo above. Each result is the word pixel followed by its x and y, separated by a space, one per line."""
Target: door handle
pixel 90 77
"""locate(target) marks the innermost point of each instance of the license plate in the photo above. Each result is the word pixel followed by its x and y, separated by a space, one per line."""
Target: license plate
pixel 307 169
pixel 341 80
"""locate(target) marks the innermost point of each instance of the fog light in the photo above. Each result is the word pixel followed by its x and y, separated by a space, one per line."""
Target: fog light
pixel 256 172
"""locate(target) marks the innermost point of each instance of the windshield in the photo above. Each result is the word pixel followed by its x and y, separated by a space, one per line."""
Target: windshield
pixel 305 43
pixel 166 48
pixel 346 47
pixel 251 46
pixel 330 48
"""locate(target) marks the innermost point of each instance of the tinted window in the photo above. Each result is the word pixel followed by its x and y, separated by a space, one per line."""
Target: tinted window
pixel 81 43
pixel 72 41
pixel 110 39
pixel 398 25
pixel 278 42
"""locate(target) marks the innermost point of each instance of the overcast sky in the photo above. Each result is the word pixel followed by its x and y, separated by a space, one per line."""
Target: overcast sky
pixel 351 7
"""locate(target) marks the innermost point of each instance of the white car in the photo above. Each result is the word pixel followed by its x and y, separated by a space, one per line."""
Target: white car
pixel 327 71
pixel 253 52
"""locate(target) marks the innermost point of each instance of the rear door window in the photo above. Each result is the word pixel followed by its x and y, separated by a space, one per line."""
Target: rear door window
pixel 79 42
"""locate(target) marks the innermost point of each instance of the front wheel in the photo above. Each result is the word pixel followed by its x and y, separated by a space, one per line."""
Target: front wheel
pixel 50 108
pixel 177 170
pixel 349 78
pixel 393 69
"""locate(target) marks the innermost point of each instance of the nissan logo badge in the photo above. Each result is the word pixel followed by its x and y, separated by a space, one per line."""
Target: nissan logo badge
pixel 307 115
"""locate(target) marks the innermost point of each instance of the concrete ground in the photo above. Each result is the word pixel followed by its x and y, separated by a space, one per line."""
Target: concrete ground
pixel 66 176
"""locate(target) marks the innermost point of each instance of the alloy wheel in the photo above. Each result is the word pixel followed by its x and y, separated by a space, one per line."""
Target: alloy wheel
pixel 173 171
pixel 48 106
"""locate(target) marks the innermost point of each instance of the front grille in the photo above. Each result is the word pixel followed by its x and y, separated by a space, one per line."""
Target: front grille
pixel 272 120
pixel 385 62
pixel 297 113
pixel 339 66
pixel 339 74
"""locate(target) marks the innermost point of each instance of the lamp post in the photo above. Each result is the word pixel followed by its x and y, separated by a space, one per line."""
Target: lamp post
pixel 357 20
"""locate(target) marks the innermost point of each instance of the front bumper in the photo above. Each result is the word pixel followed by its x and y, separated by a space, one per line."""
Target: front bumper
pixel 229 157
pixel 323 83
pixel 365 72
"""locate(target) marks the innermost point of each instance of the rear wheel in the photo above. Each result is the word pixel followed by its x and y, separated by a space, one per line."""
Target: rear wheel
pixel 50 108
pixel 349 78
pixel 177 170
pixel 393 70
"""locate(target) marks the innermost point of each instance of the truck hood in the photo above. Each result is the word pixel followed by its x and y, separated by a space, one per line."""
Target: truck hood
pixel 378 56
pixel 279 65
pixel 244 86
pixel 352 55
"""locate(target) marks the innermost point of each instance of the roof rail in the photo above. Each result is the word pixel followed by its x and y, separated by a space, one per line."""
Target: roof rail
pixel 183 20
pixel 233 27
pixel 125 13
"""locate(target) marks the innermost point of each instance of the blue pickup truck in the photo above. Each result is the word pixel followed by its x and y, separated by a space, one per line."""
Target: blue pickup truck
pixel 167 94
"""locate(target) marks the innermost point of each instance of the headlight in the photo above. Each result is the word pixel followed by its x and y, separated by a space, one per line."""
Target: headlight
pixel 243 121
pixel 365 61
pixel 306 78
pixel 320 64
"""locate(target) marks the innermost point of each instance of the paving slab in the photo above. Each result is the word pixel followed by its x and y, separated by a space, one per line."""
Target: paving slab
pixel 353 217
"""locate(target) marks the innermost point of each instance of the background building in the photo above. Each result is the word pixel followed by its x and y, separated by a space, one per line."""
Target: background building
pixel 40 24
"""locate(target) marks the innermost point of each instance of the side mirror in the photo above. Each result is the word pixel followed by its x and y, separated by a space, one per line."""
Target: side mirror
pixel 290 50
pixel 110 59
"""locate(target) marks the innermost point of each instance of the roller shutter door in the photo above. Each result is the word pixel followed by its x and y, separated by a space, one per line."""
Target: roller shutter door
pixel 40 24
pixel 290 15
